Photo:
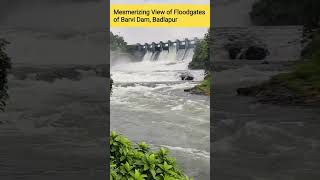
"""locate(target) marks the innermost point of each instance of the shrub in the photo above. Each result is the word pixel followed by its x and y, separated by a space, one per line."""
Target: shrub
pixel 128 162
pixel 304 80
pixel 205 85
pixel 117 42
pixel 201 59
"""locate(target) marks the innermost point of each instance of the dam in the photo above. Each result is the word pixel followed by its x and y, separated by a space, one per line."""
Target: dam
pixel 157 50
pixel 271 43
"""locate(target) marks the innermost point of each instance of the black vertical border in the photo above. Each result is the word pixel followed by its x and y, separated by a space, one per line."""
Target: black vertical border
pixel 211 33
pixel 107 31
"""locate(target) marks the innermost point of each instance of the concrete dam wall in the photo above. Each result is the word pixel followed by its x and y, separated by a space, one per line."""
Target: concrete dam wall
pixel 164 50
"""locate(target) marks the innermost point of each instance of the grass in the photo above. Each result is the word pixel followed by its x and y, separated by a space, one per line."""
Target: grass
pixel 304 80
pixel 205 85
pixel 300 86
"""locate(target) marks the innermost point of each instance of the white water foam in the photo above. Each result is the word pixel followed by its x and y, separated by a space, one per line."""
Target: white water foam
pixel 149 104
pixel 165 66
pixel 192 151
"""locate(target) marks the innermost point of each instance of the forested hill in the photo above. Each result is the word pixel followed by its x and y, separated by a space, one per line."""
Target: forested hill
pixel 286 12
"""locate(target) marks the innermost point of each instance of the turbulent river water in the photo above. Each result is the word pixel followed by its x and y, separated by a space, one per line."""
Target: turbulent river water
pixel 148 103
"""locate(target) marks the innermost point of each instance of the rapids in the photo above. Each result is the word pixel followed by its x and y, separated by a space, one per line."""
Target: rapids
pixel 148 104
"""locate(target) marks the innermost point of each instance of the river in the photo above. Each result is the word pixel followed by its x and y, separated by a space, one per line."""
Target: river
pixel 148 103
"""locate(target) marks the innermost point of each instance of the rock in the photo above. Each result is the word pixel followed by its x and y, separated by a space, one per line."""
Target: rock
pixel 233 52
pixel 255 53
pixel 194 91
pixel 186 76
pixel 247 91
pixel 50 75
pixel 247 47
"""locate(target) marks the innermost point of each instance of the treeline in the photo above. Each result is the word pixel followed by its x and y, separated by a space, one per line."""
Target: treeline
pixel 286 12
pixel 201 59
pixel 117 43
pixel 301 85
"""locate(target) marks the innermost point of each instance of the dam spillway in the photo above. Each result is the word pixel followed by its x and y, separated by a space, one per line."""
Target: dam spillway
pixel 177 50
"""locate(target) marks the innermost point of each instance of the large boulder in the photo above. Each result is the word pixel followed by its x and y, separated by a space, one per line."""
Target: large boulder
pixel 246 46
pixel 186 76
pixel 255 53
pixel 234 52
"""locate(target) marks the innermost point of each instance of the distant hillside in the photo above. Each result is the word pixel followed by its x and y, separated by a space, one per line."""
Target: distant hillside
pixel 286 12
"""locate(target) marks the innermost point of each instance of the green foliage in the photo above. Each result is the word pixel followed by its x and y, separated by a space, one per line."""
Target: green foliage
pixel 313 47
pixel 200 59
pixel 205 85
pixel 286 12
pixel 5 65
pixel 304 80
pixel 128 162
pixel 117 42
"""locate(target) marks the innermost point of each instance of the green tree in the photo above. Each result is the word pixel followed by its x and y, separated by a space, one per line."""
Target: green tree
pixel 117 42
pixel 201 59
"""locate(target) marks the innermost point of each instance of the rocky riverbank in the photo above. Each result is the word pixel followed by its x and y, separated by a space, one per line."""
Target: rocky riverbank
pixel 284 89
pixel 254 140
pixel 299 86
pixel 56 72
pixel 203 88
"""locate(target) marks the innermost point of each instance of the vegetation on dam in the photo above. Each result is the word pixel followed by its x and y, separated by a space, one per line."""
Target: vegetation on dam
pixel 139 163
pixel 5 65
